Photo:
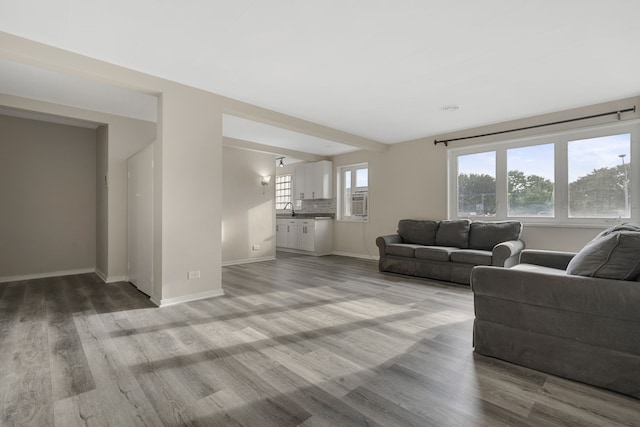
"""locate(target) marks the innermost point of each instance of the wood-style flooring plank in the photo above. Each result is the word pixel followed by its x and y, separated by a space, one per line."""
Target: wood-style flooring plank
pixel 70 372
pixel 25 376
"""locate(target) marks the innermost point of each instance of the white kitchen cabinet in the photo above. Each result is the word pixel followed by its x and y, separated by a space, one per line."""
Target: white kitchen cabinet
pixel 313 181
pixel 306 235
pixel 293 230
pixel 281 232
pixel 312 236
pixel 322 180
pixel 299 182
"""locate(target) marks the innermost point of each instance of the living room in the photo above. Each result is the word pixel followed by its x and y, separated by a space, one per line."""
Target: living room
pixel 409 178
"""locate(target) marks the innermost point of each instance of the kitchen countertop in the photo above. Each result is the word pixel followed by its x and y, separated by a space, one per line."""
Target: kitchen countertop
pixel 305 216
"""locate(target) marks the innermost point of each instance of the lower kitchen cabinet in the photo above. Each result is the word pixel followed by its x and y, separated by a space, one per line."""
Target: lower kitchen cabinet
pixel 313 236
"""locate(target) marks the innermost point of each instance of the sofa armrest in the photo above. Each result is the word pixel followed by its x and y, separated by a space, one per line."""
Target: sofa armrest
pixel 507 254
pixel 383 241
pixel 551 259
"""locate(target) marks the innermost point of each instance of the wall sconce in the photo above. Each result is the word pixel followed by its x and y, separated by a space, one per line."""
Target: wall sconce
pixel 281 164
pixel 265 182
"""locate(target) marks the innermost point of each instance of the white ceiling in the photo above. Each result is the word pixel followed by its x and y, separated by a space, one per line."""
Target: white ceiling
pixel 379 69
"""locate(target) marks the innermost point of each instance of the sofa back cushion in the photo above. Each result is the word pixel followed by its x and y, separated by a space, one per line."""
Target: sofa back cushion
pixel 453 233
pixel 612 254
pixel 486 234
pixel 418 232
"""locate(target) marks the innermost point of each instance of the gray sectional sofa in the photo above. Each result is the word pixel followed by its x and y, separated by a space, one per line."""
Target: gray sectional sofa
pixel 448 250
pixel 572 315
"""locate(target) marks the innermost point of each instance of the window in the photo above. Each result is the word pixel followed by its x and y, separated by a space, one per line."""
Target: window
pixel 530 181
pixel 283 191
pixel 599 177
pixel 353 197
pixel 477 184
pixel 577 177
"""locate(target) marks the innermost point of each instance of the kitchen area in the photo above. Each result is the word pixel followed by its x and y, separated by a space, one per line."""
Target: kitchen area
pixel 306 209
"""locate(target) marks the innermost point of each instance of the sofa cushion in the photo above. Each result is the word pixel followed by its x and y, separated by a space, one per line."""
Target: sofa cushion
pixel 421 232
pixel 434 253
pixel 402 249
pixel 486 234
pixel 471 256
pixel 453 233
pixel 613 254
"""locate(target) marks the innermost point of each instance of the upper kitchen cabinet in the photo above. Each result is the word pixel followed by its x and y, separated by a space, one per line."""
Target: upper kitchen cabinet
pixel 313 181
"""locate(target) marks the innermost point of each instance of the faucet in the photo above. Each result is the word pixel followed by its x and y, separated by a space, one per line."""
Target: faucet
pixel 293 213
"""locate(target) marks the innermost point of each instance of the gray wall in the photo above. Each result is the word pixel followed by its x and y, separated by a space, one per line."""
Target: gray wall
pixel 102 201
pixel 48 194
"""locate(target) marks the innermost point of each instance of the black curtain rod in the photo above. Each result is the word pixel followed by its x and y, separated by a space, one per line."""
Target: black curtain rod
pixel 447 141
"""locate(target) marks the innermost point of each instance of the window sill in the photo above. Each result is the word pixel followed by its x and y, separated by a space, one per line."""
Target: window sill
pixel 356 220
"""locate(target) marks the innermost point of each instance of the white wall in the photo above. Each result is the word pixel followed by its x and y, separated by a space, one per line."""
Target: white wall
pixel 248 215
pixel 191 136
pixel 404 182
pixel 410 181
pixel 48 193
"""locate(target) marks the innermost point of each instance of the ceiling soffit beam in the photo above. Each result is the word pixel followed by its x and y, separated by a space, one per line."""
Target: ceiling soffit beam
pixel 262 115
pixel 262 148
pixel 24 51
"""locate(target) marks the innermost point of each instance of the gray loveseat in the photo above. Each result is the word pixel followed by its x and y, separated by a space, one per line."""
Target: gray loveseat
pixel 448 250
pixel 572 315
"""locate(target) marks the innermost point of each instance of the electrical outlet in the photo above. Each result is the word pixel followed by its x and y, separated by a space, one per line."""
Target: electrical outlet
pixel 193 275
pixel 255 247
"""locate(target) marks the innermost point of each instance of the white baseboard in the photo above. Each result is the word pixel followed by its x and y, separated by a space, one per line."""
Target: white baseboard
pixel 6 279
pixel 101 275
pixel 248 260
pixel 354 255
pixel 165 302
pixel 113 279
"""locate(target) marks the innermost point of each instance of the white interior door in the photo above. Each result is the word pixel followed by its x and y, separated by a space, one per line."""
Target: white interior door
pixel 140 220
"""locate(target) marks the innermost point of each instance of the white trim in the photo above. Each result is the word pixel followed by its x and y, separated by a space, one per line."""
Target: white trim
pixel 248 260
pixel 560 140
pixel 6 279
pixel 340 186
pixel 355 255
pixel 303 252
pixel 114 279
pixel 165 302
pixel 101 275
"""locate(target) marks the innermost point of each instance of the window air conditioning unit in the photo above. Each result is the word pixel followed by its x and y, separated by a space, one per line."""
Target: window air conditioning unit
pixel 359 203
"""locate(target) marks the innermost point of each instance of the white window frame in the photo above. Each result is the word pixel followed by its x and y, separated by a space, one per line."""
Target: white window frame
pixel 341 191
pixel 561 192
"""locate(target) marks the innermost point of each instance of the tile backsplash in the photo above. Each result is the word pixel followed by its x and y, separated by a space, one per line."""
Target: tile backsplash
pixel 327 206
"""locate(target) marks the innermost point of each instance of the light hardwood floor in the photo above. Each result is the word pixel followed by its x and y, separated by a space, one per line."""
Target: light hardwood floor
pixel 304 341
